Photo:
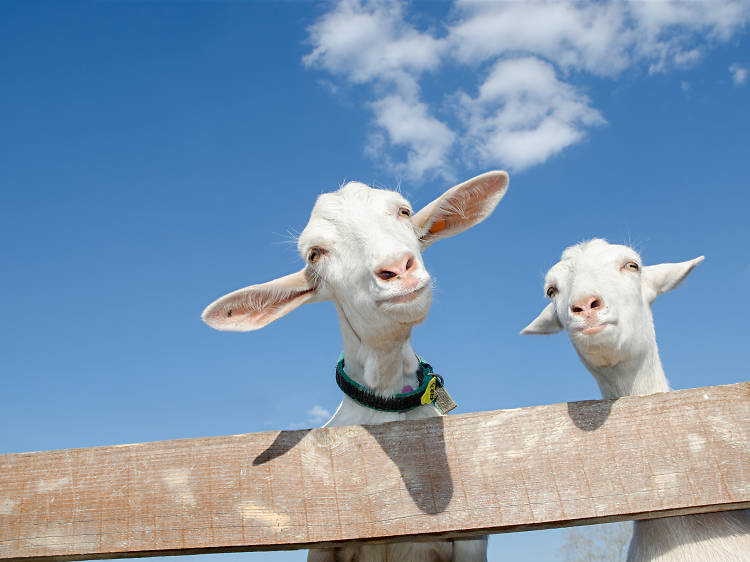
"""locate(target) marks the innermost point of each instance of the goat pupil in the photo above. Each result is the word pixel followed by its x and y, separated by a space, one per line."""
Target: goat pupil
pixel 229 314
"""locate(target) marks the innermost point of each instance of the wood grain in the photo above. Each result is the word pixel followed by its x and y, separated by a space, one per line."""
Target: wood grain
pixel 506 470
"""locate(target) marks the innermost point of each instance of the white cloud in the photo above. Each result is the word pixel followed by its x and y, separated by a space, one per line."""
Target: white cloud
pixel 603 38
pixel 409 124
pixel 571 35
pixel 739 74
pixel 371 43
pixel 675 33
pixel 523 114
pixel 527 109
pixel 316 416
pixel 716 19
pixel 368 41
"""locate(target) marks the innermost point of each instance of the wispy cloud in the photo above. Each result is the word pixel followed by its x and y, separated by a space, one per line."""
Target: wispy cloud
pixel 316 416
pixel 524 107
pixel 408 123
pixel 739 74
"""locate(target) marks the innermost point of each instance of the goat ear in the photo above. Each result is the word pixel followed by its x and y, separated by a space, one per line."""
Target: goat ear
pixel 256 306
pixel 546 323
pixel 661 278
pixel 460 207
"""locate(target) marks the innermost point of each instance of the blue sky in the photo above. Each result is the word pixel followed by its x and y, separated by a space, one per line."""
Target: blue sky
pixel 155 156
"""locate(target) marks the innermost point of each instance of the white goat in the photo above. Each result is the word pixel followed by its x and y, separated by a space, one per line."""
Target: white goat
pixel 362 248
pixel 601 295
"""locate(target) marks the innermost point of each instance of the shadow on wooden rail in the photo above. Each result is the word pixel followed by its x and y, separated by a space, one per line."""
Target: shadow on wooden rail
pixel 418 457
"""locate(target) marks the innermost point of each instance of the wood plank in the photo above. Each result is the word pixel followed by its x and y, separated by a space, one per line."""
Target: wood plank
pixel 506 470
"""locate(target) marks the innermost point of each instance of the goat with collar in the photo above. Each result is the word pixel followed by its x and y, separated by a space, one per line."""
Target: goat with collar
pixel 363 251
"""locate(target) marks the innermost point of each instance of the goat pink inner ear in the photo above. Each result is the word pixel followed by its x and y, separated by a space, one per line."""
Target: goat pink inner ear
pixel 438 225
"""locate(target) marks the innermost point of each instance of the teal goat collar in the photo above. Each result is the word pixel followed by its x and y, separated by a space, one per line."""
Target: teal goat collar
pixel 427 393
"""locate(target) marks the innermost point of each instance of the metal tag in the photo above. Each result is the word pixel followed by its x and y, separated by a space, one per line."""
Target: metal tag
pixel 443 400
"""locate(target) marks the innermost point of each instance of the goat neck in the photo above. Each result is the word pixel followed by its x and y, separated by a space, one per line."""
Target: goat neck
pixel 640 375
pixel 386 365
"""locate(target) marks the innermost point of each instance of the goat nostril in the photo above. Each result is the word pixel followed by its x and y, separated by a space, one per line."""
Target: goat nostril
pixel 385 275
pixel 401 268
pixel 576 309
pixel 596 303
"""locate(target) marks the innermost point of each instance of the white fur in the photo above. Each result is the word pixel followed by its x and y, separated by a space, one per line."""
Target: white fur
pixel 363 251
pixel 616 341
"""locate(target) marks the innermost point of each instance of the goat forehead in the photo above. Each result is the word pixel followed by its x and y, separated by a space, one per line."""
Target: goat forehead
pixel 355 199
pixel 349 214
pixel 596 250
pixel 589 261
pixel 360 198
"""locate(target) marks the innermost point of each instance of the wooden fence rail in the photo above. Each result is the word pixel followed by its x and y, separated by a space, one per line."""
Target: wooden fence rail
pixel 488 472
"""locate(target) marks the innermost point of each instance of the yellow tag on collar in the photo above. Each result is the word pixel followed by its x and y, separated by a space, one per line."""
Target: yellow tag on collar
pixel 429 394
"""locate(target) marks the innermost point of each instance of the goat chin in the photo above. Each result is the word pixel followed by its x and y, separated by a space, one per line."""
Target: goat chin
pixel 598 349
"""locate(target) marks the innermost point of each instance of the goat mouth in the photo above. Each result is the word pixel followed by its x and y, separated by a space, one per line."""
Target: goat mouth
pixel 405 297
pixel 595 329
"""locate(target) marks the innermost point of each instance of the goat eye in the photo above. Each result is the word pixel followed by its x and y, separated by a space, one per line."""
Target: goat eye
pixel 551 291
pixel 314 254
pixel 404 212
pixel 632 266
